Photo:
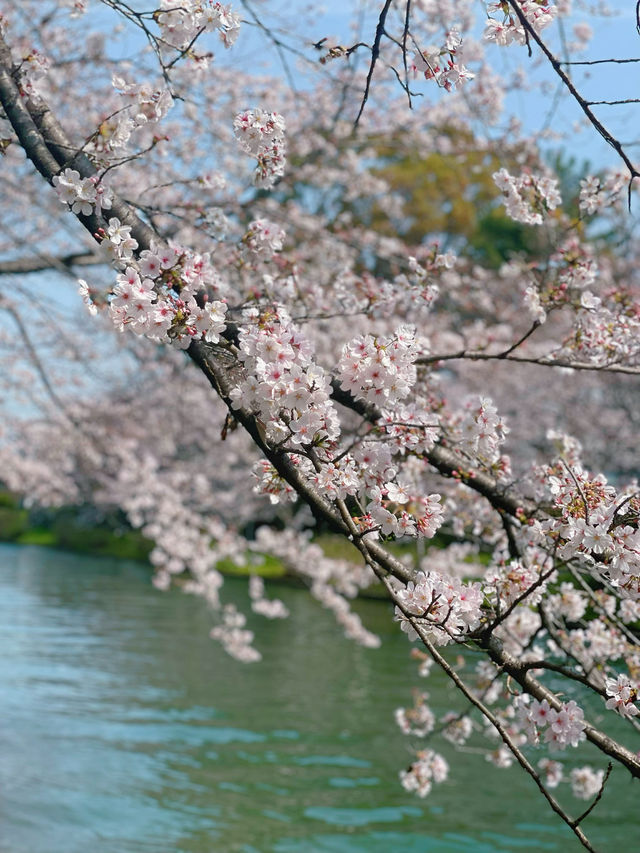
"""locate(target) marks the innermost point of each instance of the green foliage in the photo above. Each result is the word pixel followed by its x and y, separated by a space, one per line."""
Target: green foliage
pixel 70 528
pixel 38 536
pixel 338 548
pixel 101 541
pixel 449 198
pixel 496 238
pixel 444 194
pixel 13 522
pixel 8 500
pixel 271 567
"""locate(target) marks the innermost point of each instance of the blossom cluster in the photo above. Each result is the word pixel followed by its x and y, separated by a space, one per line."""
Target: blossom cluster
pixel 396 512
pixel 144 106
pixel 344 615
pixel 605 333
pixel 417 721
pixel 84 195
pixel 458 729
pixel 146 103
pixel 271 608
pixel 263 239
pixel 409 427
pixel 332 582
pixel 337 479
pixel 261 135
pixel 514 581
pixel 527 198
pixel 444 608
pixel 518 631
pixel 181 23
pixel 586 782
pixel 163 312
pixel 587 527
pixel 395 505
pixel 552 772
pixel 34 67
pixel 379 370
pixel 479 431
pixel 271 484
pixel 157 293
pixel 413 292
pixel 508 29
pixel 623 694
pixel 562 728
pixel 575 264
pixel 234 637
pixel 429 767
pixel 439 63
pixel 568 602
pixel 599 642
pixel 574 269
pixel 288 392
pixel 598 193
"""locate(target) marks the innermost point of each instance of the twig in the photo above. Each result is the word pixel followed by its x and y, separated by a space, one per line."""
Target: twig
pixel 597 798
pixel 375 53
pixel 495 722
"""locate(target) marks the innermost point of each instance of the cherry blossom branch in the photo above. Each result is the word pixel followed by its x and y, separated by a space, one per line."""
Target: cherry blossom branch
pixel 48 148
pixel 487 630
pixel 598 796
pixel 531 34
pixel 575 574
pixel 494 720
pixel 137 18
pixel 541 361
pixel 599 61
pixel 571 674
pixel 221 378
pixel 557 639
pixel 448 464
pixel 405 35
pixel 377 558
pixel 519 672
pixel 506 353
pixel 41 262
pixel 613 103
pixel 576 483
pixel 375 54
pixel 21 120
pixel 508 527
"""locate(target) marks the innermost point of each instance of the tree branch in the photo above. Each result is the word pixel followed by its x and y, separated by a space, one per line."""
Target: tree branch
pixel 531 33
pixel 42 262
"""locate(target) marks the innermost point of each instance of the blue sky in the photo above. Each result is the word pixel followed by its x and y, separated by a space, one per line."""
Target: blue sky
pixel 299 23
pixel 615 36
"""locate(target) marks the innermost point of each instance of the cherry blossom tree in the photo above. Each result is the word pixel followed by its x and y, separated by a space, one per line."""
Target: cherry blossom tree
pixel 248 320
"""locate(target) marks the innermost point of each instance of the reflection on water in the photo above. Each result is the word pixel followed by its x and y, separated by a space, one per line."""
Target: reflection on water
pixel 124 729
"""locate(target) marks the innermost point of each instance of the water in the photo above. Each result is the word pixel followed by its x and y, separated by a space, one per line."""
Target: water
pixel 124 728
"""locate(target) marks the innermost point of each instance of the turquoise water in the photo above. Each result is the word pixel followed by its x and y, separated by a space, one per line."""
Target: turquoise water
pixel 124 729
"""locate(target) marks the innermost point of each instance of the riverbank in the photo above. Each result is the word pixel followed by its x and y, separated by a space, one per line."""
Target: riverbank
pixel 81 530
pixel 76 530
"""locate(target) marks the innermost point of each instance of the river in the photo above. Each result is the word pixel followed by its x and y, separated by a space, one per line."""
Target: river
pixel 124 728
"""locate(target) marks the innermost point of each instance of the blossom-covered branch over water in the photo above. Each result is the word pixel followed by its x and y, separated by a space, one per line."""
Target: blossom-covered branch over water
pixel 403 374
